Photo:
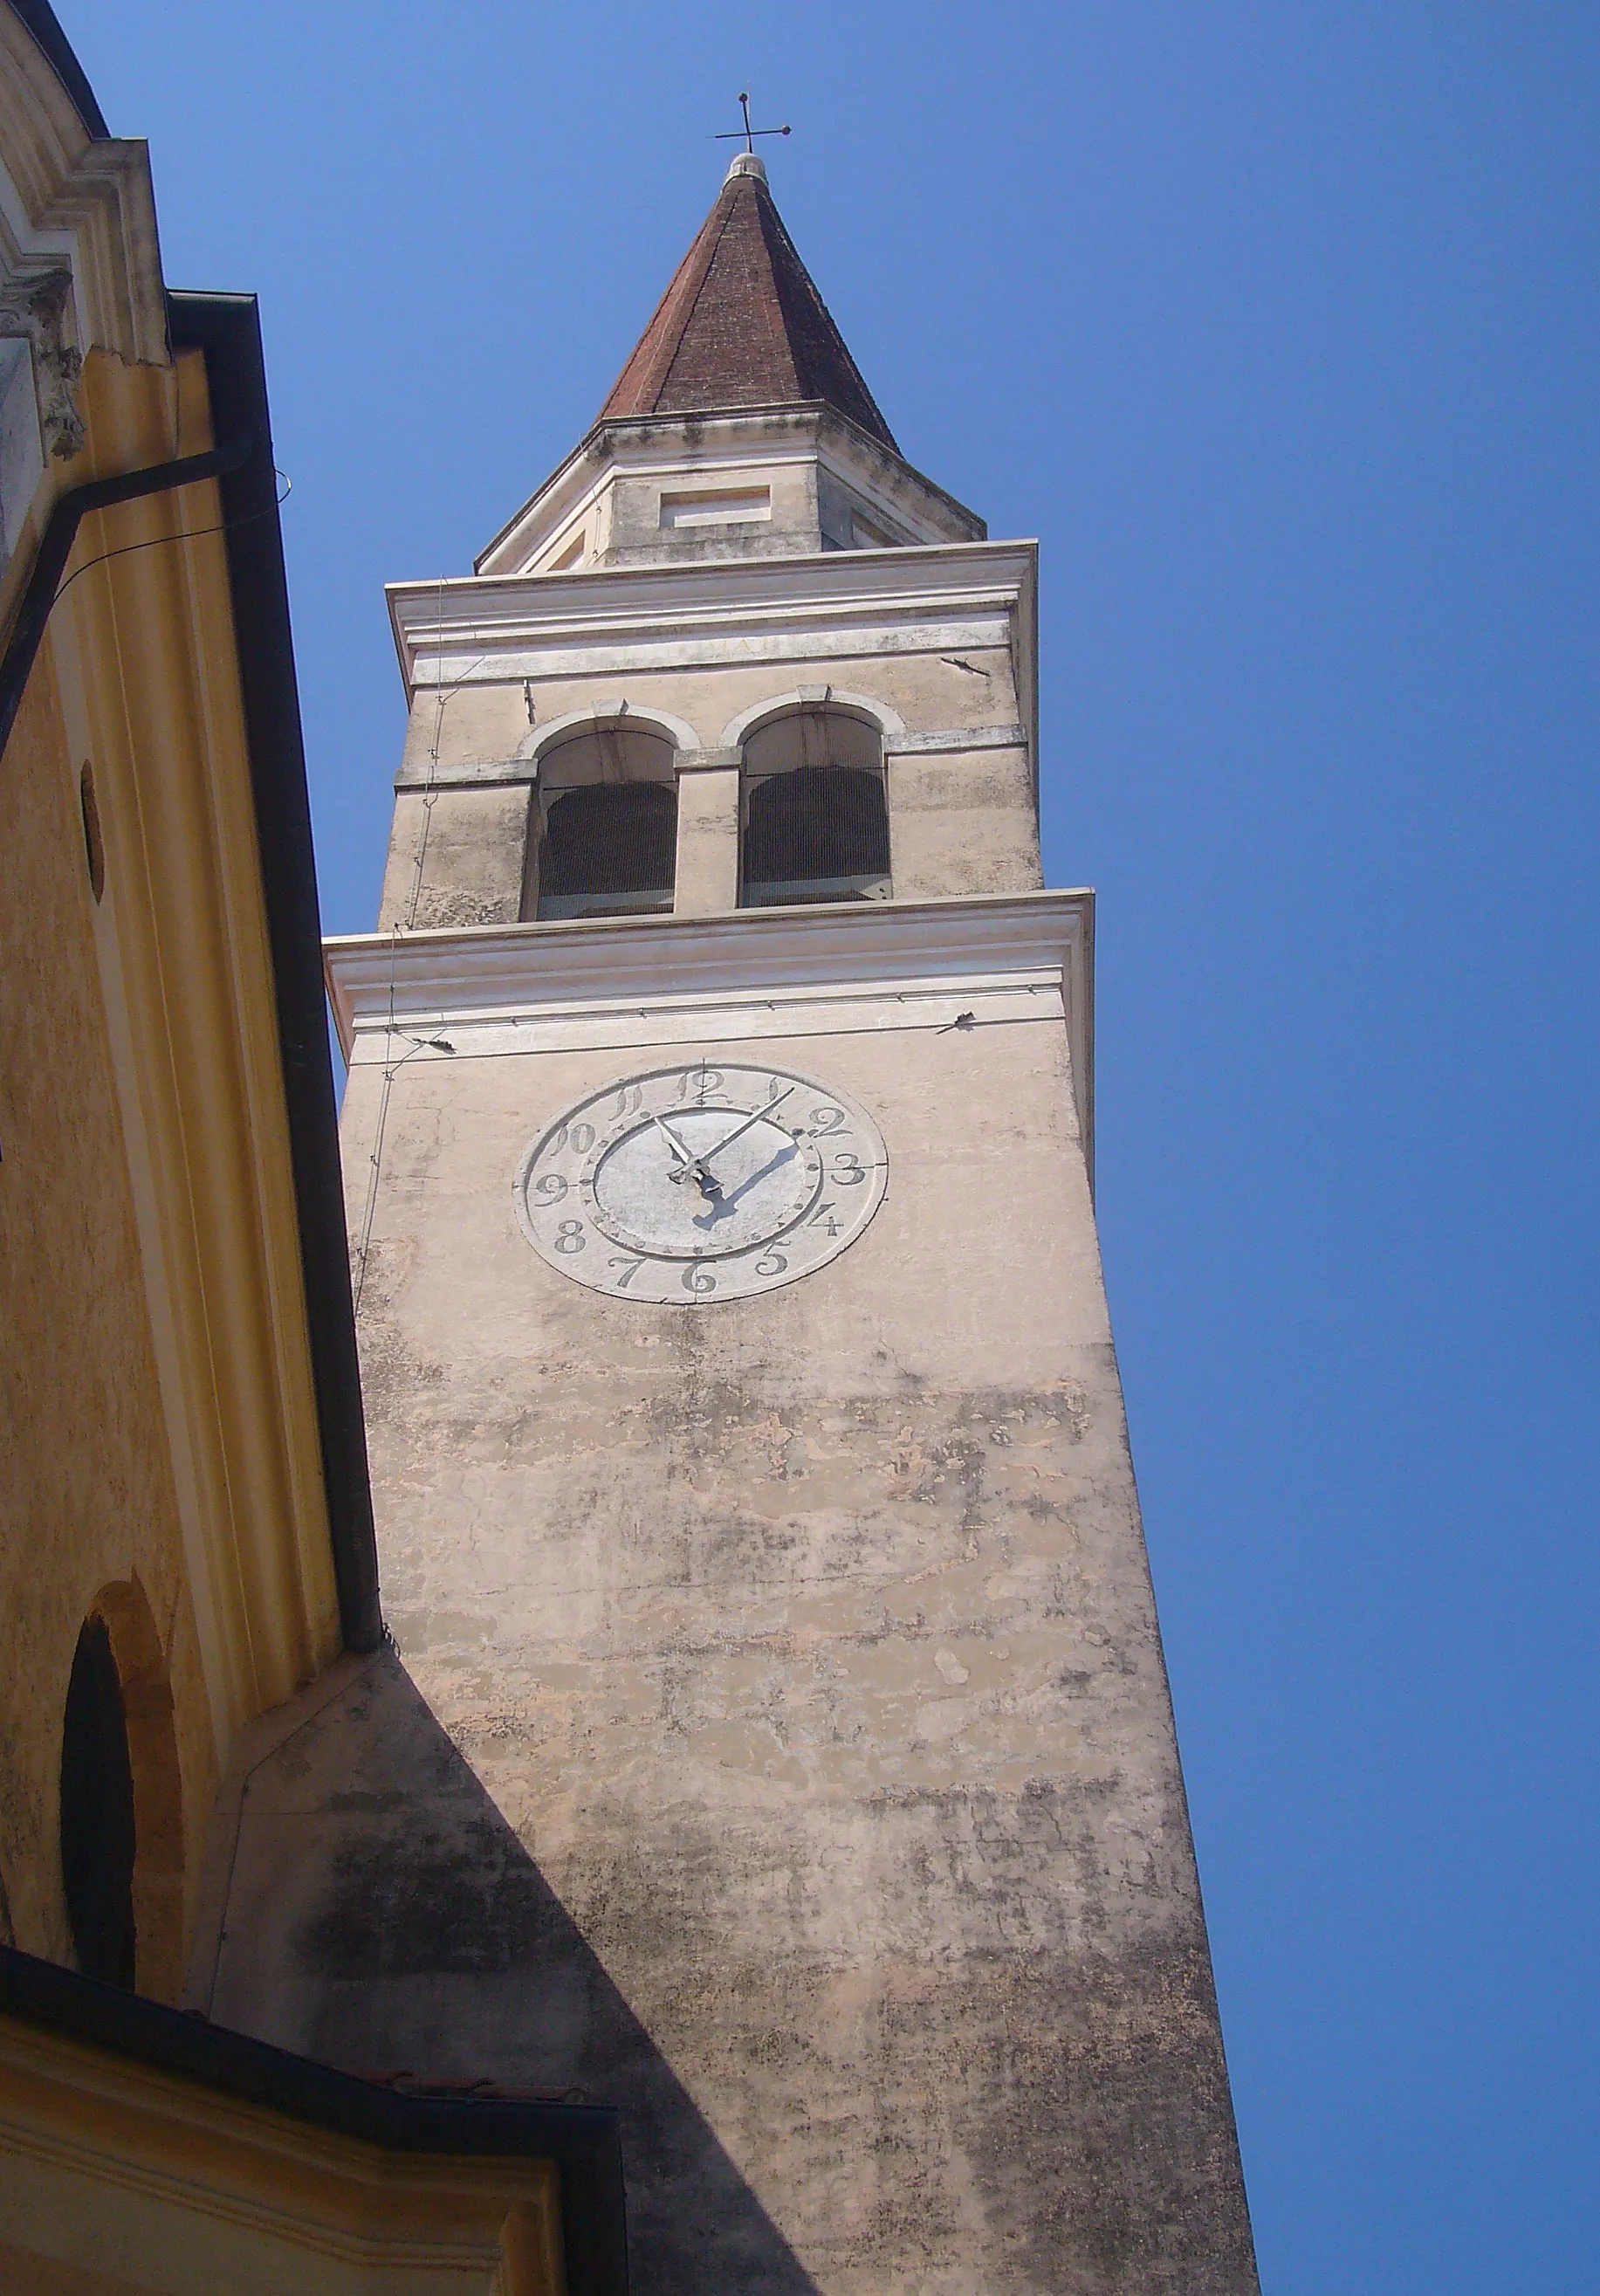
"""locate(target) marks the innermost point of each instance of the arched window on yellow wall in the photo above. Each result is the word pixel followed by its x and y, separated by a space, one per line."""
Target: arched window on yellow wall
pixel 98 1836
pixel 816 823
pixel 603 830
pixel 121 1800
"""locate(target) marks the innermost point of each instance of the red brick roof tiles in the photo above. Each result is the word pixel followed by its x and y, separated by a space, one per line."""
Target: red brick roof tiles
pixel 743 325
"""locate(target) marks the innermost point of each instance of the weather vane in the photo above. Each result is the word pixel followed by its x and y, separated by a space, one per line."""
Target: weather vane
pixel 749 134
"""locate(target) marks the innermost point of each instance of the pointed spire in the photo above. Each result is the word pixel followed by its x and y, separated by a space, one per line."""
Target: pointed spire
pixel 742 325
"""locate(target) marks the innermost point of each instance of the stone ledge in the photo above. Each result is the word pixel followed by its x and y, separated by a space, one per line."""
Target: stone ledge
pixel 954 738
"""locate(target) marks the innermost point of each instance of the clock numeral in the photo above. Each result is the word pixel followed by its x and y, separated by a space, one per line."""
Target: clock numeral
pixel 823 1212
pixel 849 1171
pixel 570 1237
pixel 772 1263
pixel 549 1188
pixel 629 1102
pixel 699 1279
pixel 558 1139
pixel 583 1138
pixel 630 1268
pixel 700 1083
pixel 826 1121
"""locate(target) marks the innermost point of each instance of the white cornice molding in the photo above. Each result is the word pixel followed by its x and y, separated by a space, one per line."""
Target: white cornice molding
pixel 491 629
pixel 628 981
pixel 956 739
pixel 88 202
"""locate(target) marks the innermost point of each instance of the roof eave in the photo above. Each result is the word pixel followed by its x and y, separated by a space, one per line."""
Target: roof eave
pixel 821 410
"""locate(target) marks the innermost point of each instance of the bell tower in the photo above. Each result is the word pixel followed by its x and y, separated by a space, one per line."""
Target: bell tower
pixel 777 1744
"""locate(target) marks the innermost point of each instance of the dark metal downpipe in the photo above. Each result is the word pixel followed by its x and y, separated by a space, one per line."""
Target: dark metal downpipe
pixel 61 531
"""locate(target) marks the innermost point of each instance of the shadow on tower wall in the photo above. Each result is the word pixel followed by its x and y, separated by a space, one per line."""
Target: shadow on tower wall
pixel 381 1915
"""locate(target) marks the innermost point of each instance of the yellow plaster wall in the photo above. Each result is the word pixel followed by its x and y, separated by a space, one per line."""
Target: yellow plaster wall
pixel 114 2176
pixel 160 1415
pixel 88 1485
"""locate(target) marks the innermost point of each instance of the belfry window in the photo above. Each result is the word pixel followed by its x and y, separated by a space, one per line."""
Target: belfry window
pixel 97 1812
pixel 604 827
pixel 816 824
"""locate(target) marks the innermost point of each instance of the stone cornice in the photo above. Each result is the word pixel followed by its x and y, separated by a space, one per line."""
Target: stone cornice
pixel 484 630
pixel 88 200
pixel 522 770
pixel 955 739
pixel 764 436
pixel 902 964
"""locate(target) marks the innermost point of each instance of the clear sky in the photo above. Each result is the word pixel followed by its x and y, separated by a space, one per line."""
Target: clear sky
pixel 1277 325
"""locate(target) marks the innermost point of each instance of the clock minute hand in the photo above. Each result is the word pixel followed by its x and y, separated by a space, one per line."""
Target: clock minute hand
pixel 728 1138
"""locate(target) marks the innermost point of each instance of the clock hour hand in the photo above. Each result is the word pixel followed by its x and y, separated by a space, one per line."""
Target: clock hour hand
pixel 689 1167
pixel 671 1139
pixel 728 1138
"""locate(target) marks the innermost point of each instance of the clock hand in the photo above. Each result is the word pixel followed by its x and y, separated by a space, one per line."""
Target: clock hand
pixel 671 1139
pixel 726 1203
pixel 728 1138
pixel 691 1167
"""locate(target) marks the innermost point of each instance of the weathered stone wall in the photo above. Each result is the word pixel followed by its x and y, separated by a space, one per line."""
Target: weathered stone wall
pixel 457 858
pixel 962 822
pixel 777 1744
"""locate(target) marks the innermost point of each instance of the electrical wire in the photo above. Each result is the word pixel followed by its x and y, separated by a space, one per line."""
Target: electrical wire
pixel 188 534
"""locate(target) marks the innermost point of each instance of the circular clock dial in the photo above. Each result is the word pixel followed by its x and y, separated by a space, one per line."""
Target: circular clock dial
pixel 699 1182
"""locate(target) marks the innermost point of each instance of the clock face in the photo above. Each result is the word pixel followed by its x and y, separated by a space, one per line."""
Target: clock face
pixel 696 1183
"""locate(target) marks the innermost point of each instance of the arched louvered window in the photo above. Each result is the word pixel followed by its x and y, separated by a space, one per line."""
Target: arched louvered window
pixel 605 827
pixel 816 822
pixel 97 1812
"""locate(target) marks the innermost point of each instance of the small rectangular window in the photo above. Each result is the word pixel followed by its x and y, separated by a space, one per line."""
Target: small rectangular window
pixel 729 507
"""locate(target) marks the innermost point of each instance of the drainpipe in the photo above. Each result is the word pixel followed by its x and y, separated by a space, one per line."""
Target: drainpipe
pixel 61 531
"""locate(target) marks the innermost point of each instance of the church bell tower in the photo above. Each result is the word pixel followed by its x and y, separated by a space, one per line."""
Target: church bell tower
pixel 777 1744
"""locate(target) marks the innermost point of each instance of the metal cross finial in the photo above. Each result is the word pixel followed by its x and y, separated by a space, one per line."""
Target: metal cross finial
pixel 749 134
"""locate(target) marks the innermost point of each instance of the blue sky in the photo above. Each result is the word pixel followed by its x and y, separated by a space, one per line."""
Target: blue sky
pixel 1277 325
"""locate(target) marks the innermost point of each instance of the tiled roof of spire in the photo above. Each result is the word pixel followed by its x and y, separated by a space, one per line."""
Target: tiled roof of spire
pixel 743 325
